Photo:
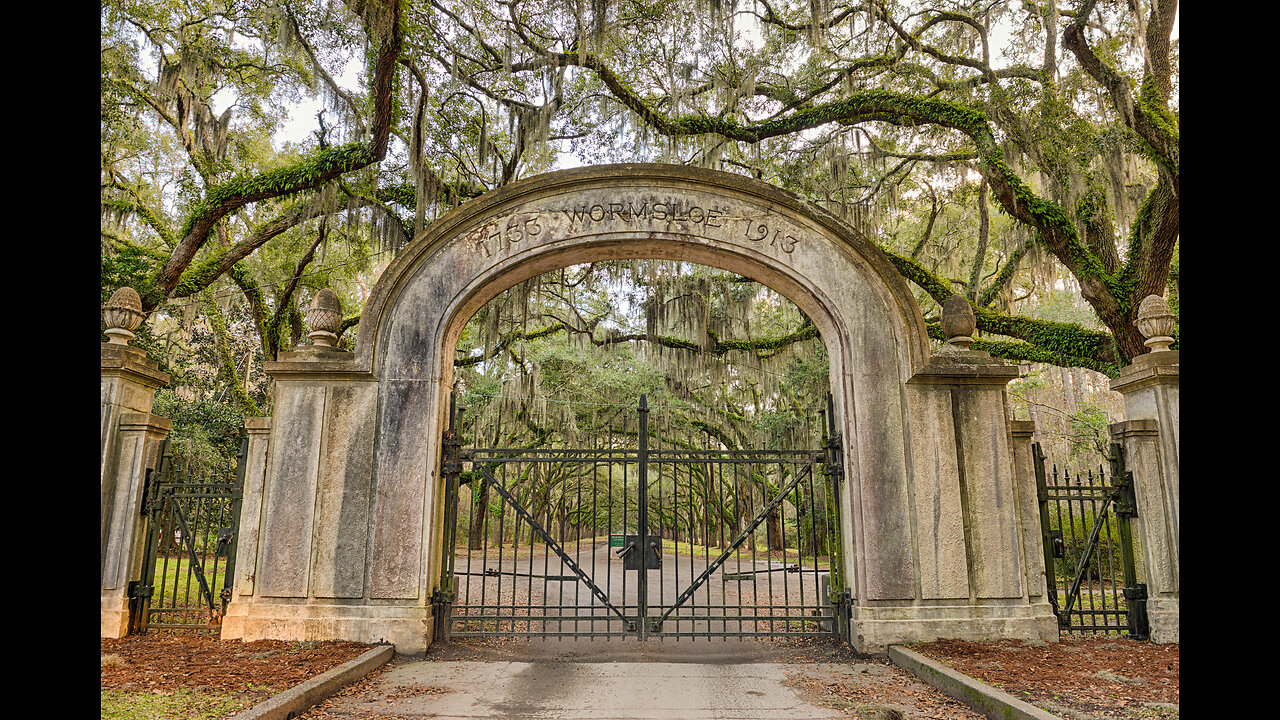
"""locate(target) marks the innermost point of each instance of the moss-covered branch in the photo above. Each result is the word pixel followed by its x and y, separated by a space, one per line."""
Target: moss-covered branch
pixel 1073 344
pixel 386 30
pixel 1148 113
pixel 1028 352
pixel 1055 226
pixel 144 213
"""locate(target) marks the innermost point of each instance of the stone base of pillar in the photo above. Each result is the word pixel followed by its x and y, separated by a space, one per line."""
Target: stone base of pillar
pixel 1162 614
pixel 115 616
pixel 410 629
pixel 874 629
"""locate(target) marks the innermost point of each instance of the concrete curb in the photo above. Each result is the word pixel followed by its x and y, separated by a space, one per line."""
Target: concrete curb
pixel 995 704
pixel 301 697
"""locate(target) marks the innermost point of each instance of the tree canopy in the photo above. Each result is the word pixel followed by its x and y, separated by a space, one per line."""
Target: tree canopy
pixel 1005 151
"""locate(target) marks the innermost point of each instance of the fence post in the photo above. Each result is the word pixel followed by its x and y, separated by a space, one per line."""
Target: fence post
pixel 130 435
pixel 642 512
pixel 1149 438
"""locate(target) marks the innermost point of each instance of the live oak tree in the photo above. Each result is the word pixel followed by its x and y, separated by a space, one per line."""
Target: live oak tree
pixel 996 150
pixel 1070 127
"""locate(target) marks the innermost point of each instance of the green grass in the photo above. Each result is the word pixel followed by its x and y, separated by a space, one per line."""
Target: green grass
pixel 174 570
pixel 178 705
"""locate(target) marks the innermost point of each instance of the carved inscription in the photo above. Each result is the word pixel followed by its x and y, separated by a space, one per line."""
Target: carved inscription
pixel 500 238
pixel 675 211
pixel 784 242
pixel 635 211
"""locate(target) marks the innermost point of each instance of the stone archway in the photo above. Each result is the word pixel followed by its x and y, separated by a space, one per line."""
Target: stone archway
pixel 340 533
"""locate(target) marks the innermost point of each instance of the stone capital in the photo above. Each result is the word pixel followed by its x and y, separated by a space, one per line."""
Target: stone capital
pixel 132 364
pixel 1134 429
pixel 1146 370
pixel 1022 429
pixel 143 422
pixel 969 367
pixel 316 362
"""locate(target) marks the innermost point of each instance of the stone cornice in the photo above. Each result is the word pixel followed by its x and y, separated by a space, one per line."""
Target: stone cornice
pixel 964 368
pixel 1134 428
pixel 1025 428
pixel 132 363
pixel 144 421
pixel 1146 370
pixel 315 362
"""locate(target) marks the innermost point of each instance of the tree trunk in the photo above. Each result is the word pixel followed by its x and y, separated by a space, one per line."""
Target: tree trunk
pixel 479 512
pixel 776 541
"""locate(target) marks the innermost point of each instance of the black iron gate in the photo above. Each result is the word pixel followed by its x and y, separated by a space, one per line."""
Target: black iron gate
pixel 1090 566
pixel 640 535
pixel 190 544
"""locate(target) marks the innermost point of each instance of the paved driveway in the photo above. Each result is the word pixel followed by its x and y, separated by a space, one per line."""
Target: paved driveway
pixel 458 690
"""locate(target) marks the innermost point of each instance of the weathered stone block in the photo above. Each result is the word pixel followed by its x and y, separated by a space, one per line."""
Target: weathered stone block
pixel 939 511
pixel 290 492
pixel 345 491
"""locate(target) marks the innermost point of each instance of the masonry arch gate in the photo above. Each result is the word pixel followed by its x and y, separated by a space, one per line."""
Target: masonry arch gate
pixel 341 524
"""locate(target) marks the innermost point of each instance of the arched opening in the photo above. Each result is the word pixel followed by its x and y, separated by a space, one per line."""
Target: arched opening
pixel 559 376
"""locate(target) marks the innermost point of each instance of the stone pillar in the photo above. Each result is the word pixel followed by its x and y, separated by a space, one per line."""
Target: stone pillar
pixel 1150 436
pixel 130 435
pixel 979 572
pixel 309 507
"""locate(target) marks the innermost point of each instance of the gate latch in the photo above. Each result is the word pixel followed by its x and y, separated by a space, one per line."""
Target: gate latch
pixel 1056 546
pixel 652 556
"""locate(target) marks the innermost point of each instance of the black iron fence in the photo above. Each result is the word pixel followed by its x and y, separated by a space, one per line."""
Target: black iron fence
pixel 1089 549
pixel 192 517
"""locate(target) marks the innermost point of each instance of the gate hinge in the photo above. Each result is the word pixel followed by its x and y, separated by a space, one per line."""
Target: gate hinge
pixel 832 465
pixel 442 597
pixel 144 508
pixel 1126 499
pixel 844 601
pixel 833 442
pixel 139 591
